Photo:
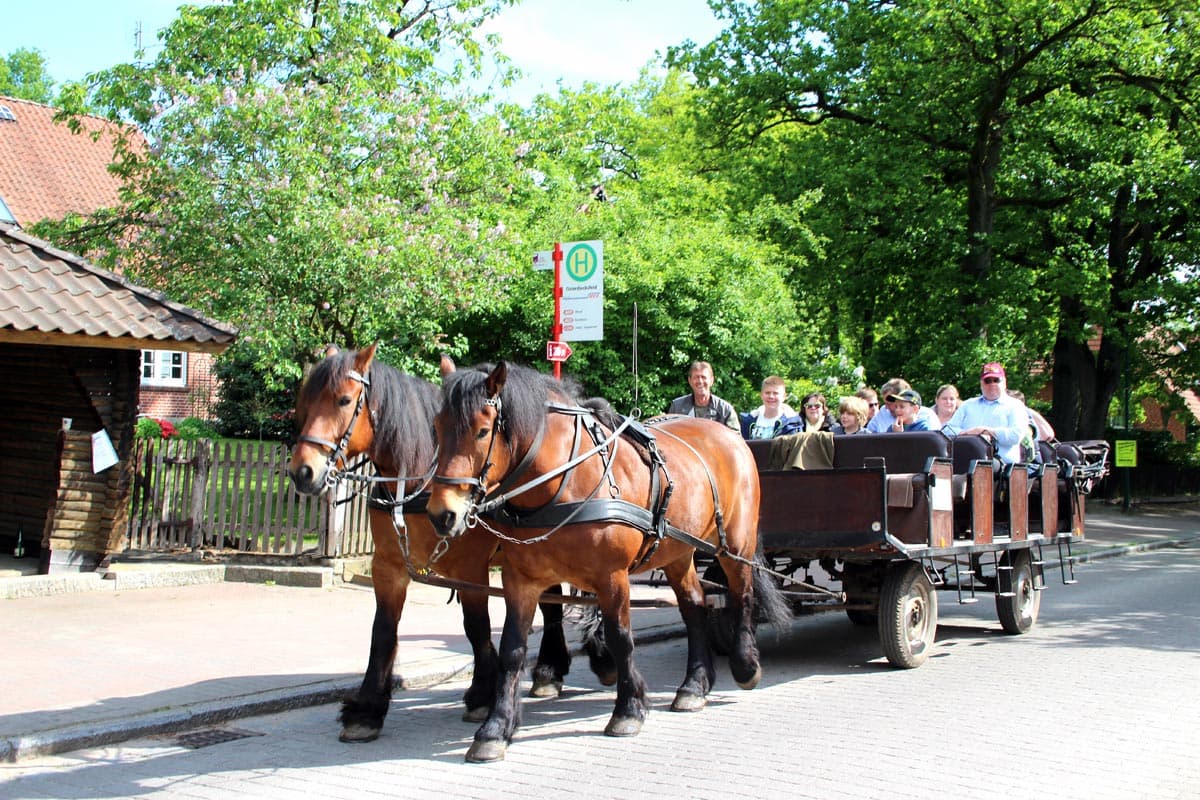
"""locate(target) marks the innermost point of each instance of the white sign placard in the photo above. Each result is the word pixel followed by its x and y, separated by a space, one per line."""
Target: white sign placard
pixel 583 292
pixel 104 455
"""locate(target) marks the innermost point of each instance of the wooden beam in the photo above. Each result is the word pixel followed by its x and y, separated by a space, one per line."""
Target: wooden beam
pixel 9 336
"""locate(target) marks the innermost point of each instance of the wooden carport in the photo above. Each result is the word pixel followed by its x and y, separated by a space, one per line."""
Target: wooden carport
pixel 71 336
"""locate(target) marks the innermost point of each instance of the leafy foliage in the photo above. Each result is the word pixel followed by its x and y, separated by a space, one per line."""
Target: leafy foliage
pixel 306 178
pixel 620 167
pixel 996 181
pixel 23 75
pixel 248 407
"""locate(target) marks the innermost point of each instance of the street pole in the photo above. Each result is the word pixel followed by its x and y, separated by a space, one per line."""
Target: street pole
pixel 1128 430
pixel 556 328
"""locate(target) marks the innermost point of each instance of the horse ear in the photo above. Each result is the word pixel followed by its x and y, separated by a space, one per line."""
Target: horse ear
pixel 497 379
pixel 362 362
pixel 446 365
pixel 331 350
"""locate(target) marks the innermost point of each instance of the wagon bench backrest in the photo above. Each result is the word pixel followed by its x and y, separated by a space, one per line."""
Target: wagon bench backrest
pixel 901 452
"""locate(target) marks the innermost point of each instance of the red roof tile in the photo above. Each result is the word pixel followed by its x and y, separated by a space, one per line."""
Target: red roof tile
pixel 48 295
pixel 46 171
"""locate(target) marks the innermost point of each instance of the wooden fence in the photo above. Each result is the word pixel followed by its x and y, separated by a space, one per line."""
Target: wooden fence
pixel 237 495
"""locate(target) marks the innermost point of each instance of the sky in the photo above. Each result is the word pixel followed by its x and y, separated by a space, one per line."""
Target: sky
pixel 601 41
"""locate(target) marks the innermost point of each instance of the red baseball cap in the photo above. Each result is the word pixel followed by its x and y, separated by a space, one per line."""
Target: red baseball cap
pixel 992 369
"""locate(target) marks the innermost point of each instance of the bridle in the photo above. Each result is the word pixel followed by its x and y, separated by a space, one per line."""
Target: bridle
pixel 337 451
pixel 479 484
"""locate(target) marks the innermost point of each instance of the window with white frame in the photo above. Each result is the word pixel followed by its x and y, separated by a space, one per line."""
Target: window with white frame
pixel 164 368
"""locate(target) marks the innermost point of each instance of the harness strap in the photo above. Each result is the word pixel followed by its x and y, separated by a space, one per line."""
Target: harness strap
pixel 620 512
pixel 499 500
pixel 383 499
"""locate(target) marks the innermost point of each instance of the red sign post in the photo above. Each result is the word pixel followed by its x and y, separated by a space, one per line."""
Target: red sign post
pixel 556 328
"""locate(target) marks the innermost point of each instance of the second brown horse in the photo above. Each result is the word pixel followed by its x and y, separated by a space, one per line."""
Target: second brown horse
pixel 516 442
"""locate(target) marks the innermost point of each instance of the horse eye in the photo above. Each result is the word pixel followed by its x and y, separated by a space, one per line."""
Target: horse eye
pixel 483 432
pixel 344 400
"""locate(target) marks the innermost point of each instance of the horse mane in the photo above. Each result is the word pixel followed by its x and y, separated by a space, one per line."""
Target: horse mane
pixel 402 408
pixel 524 398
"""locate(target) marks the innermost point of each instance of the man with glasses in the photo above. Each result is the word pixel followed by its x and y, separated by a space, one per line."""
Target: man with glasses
pixel 872 400
pixel 993 414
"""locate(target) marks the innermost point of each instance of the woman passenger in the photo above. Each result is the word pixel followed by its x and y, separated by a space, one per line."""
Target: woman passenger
pixel 945 402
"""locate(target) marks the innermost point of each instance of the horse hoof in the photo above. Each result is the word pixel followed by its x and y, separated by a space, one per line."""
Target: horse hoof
pixel 485 752
pixel 477 714
pixel 752 681
pixel 623 726
pixel 608 678
pixel 546 689
pixel 358 734
pixel 687 701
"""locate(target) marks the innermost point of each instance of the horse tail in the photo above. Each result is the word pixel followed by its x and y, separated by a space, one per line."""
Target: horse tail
pixel 771 605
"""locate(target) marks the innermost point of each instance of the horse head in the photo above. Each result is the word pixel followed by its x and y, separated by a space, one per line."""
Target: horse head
pixel 334 417
pixel 474 454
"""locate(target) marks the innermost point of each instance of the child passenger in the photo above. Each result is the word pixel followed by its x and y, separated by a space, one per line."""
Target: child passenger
pixel 774 417
pixel 907 409
pixel 853 412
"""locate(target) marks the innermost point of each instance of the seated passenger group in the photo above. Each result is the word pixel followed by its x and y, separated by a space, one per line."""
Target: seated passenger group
pixel 997 413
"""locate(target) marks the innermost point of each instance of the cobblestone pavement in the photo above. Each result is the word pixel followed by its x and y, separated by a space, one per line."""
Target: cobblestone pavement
pixel 1098 701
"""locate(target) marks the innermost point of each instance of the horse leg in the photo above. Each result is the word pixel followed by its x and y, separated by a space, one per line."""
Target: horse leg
pixel 630 710
pixel 743 657
pixel 600 658
pixel 493 737
pixel 362 715
pixel 554 659
pixel 477 625
pixel 692 694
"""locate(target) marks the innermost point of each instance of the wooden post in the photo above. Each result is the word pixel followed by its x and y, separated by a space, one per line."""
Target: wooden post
pixel 201 463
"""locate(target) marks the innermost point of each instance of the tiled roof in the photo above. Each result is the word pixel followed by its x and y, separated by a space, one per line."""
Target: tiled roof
pixel 48 172
pixel 50 296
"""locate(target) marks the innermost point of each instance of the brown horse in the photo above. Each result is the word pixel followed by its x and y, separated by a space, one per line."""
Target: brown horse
pixel 588 507
pixel 349 405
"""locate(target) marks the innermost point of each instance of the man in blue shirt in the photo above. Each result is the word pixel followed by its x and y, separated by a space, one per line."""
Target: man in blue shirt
pixel 993 414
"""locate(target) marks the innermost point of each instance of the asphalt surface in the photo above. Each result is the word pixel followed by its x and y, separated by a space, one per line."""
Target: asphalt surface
pixel 165 647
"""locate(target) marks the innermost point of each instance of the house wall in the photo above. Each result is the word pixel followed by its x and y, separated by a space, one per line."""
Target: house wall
pixel 194 400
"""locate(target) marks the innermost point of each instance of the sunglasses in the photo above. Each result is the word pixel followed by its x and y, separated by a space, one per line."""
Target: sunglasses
pixel 991 380
pixel 814 405
pixel 872 405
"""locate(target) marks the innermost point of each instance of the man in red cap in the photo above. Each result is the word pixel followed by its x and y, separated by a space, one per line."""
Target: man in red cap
pixel 993 414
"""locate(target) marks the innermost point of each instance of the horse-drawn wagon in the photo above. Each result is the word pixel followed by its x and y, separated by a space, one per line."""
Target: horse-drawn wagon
pixel 877 524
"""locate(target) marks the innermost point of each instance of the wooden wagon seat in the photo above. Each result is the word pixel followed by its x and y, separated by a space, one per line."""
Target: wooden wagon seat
pixel 904 456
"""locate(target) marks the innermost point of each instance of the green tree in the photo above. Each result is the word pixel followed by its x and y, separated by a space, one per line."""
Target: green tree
pixel 23 75
pixel 621 166
pixel 308 174
pixel 1005 179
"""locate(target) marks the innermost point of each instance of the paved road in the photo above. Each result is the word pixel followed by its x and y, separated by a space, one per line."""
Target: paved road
pixel 1099 701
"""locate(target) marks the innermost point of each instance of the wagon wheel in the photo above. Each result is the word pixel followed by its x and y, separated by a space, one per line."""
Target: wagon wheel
pixel 907 615
pixel 1019 612
pixel 719 621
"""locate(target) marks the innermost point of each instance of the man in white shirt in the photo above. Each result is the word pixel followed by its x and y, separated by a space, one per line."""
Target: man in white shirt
pixel 993 414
